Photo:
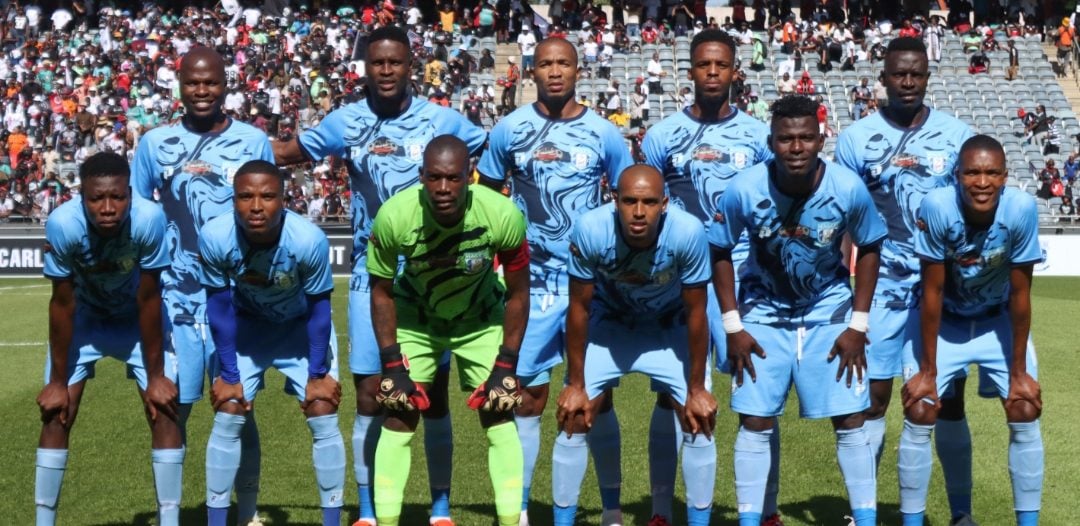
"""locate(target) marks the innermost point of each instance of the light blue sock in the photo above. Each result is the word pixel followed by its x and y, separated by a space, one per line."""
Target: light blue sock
pixel 605 444
pixel 665 437
pixel 772 485
pixel 528 428
pixel 48 477
pixel 247 477
pixel 953 440
pixel 328 456
pixel 913 464
pixel 439 448
pixel 1027 518
pixel 875 430
pixel 364 439
pixel 856 460
pixel 168 465
pixel 1026 467
pixel 752 464
pixel 699 476
pixel 222 459
pixel 568 463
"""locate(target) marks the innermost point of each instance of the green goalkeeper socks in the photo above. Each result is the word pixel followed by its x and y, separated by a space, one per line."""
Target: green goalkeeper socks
pixel 506 465
pixel 393 459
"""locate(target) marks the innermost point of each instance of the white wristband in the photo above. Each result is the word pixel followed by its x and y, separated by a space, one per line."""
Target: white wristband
pixel 860 321
pixel 732 322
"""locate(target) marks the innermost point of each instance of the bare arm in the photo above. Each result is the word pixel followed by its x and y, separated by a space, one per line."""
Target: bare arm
pixel 516 316
pixel 577 330
pixel 695 299
pixel 288 152
pixel 383 311
pixel 61 328
pixel 933 286
pixel 148 298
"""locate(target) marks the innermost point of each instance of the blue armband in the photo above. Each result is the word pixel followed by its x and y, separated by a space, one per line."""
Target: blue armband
pixel 222 317
pixel 318 331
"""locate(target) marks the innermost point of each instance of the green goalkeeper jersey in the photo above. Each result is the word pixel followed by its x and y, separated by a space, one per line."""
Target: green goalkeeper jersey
pixel 448 274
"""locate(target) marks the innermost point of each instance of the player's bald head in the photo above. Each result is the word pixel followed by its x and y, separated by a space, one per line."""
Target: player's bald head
pixel 445 146
pixel 983 143
pixel 202 57
pixel 640 174
pixel 555 43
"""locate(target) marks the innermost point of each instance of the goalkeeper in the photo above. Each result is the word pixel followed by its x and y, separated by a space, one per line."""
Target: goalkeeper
pixel 447 296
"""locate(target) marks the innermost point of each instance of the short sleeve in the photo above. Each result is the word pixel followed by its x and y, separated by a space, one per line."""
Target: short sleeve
pixel 145 176
pixel 474 136
pixel 725 230
pixel 512 230
pixel 155 254
pixel 1025 232
pixel 582 263
pixel 382 253
pixel 617 155
pixel 265 150
pixel 495 159
pixel 61 244
pixel 328 138
pixel 653 148
pixel 846 155
pixel 695 268
pixel 315 266
pixel 213 271
pixel 933 227
pixel 865 225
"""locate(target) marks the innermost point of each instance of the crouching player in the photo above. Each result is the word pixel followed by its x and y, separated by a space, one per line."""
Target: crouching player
pixel 448 296
pixel 104 254
pixel 639 274
pixel 981 239
pixel 267 273
pixel 803 323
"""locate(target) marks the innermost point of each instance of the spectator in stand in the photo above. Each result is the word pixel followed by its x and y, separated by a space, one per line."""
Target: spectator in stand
pixel 619 118
pixel 861 98
pixel 639 104
pixel 509 94
pixel 823 118
pixel 1072 164
pixel 1047 177
pixel 473 108
pixel 1066 33
pixel 758 108
pixel 971 41
pixel 934 37
pixel 1053 137
pixel 805 86
pixel 1066 208
pixel 908 29
pixel 1037 125
pixel 757 60
pixel 655 71
pixel 786 85
pixel 979 63
pixel 1014 61
pixel 7 204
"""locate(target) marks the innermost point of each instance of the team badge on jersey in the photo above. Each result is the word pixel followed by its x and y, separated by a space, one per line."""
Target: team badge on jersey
pixel 474 262
pixel 938 162
pixel 826 232
pixel 580 157
pixel 739 159
pixel 229 171
pixel 414 150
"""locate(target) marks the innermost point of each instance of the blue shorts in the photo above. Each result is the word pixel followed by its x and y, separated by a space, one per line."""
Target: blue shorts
pixel 893 335
pixel 363 349
pixel 986 342
pixel 797 355
pixel 616 350
pixel 545 337
pixel 195 354
pixel 94 339
pixel 261 345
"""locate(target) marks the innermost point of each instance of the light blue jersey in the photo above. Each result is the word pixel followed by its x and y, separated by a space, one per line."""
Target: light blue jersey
pixel 899 167
pixel 191 175
pixel 270 284
pixel 978 261
pixel 105 270
pixel 699 159
pixel 384 156
pixel 555 167
pixel 795 272
pixel 635 286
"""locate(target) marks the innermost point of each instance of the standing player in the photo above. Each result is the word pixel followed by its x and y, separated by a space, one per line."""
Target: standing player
pixel 448 296
pixel 188 167
pixel 982 240
pixel 902 152
pixel 267 275
pixel 638 279
pixel 555 155
pixel 105 254
pixel 802 320
pixel 699 151
pixel 383 138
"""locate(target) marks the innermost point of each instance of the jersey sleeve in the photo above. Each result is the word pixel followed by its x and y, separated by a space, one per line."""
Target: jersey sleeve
pixel 459 126
pixel 213 273
pixel 145 177
pixel 582 264
pixel 155 254
pixel 495 159
pixel 653 148
pixel 265 150
pixel 382 254
pixel 1025 231
pixel 511 226
pixel 695 268
pixel 845 154
pixel 61 239
pixel 724 232
pixel 933 226
pixel 865 225
pixel 617 155
pixel 328 138
pixel 315 267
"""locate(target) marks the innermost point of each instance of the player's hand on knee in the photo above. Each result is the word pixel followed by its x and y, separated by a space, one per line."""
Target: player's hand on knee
pixel 1024 402
pixel 325 389
pixel 397 391
pixel 921 388
pixel 699 414
pixel 573 401
pixel 53 402
pixel 850 346
pixel 501 392
pixel 223 392
pixel 161 397
pixel 740 346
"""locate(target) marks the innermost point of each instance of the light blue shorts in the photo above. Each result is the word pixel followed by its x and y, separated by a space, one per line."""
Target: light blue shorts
pixel 616 350
pixel 798 355
pixel 893 335
pixel 545 338
pixel 195 354
pixel 94 339
pixel 363 349
pixel 261 345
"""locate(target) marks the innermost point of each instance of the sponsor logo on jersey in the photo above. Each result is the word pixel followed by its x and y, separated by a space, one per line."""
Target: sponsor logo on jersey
pixel 794 231
pixel 199 168
pixel 382 146
pixel 707 154
pixel 549 153
pixel 905 160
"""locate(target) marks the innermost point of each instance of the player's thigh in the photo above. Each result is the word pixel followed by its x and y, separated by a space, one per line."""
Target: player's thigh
pixel 193 348
pixel 475 349
pixel 893 335
pixel 821 395
pixel 363 348
pixel 989 344
pixel 768 395
pixel 608 357
pixel 665 359
pixel 289 344
pixel 424 347
pixel 545 336
pixel 94 339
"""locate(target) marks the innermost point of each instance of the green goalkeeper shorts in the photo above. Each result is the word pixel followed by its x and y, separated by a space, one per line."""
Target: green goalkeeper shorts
pixel 475 350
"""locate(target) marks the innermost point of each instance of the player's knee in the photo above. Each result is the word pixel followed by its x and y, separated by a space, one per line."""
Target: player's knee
pixel 852 421
pixel 319 408
pixel 664 401
pixel 1019 411
pixel 880 396
pixel 757 423
pixel 367 386
pixel 533 401
pixel 231 408
pixel 921 413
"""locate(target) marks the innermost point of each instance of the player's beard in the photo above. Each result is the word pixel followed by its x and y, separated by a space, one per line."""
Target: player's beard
pixel 711 103
pixel 557 101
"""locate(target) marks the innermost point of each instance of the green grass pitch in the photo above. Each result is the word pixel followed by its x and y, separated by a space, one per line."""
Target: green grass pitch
pixel 109 479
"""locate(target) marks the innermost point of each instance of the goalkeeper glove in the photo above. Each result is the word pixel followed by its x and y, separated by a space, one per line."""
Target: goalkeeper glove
pixel 500 393
pixel 397 392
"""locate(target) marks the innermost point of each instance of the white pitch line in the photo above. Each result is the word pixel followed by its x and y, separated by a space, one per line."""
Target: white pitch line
pixel 21 344
pixel 21 287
